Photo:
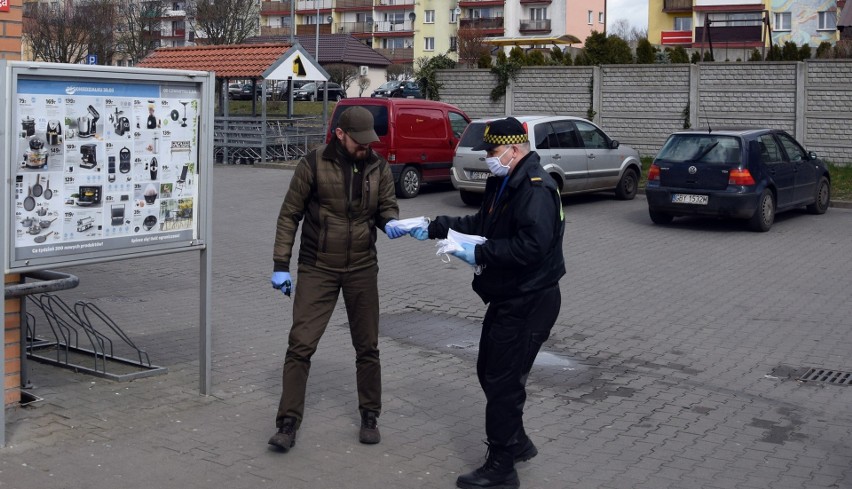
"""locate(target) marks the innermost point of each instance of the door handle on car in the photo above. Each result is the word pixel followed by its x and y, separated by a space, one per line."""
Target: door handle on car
pixel 591 156
pixel 556 156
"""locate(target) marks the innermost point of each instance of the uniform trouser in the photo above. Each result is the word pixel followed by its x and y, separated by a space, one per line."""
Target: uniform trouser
pixel 316 295
pixel 512 334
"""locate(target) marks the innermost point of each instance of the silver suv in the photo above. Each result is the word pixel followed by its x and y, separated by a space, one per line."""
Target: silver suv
pixel 575 152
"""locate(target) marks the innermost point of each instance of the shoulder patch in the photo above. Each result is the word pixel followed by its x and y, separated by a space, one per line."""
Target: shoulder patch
pixel 536 181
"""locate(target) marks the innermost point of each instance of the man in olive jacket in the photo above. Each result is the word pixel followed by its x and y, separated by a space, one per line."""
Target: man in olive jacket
pixel 341 192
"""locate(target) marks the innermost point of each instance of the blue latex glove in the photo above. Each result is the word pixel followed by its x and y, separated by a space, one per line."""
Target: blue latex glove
pixel 467 254
pixel 283 282
pixel 421 233
pixel 393 231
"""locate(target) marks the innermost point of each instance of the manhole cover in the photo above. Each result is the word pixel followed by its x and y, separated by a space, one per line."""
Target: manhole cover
pixel 828 376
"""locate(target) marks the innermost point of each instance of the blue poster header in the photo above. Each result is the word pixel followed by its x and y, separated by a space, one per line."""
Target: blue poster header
pixel 87 88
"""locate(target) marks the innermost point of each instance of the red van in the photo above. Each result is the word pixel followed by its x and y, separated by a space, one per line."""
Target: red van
pixel 417 137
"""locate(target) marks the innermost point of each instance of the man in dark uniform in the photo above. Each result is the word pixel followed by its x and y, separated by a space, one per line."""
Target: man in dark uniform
pixel 518 271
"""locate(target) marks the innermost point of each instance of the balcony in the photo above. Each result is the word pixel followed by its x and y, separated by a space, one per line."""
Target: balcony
pixel 313 5
pixel 398 55
pixel 673 38
pixel 677 5
pixel 480 3
pixel 354 27
pixel 354 5
pixel 311 29
pixel 389 27
pixel 274 31
pixel 535 26
pixel 487 24
pixel 392 3
pixel 272 8
pixel 726 36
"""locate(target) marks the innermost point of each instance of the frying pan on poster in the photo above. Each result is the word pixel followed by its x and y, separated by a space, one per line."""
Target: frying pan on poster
pixel 29 202
pixel 42 238
pixel 47 192
pixel 37 188
pixel 44 223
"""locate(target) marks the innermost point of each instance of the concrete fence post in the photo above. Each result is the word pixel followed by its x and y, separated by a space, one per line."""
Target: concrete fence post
pixel 596 94
pixel 801 101
pixel 694 97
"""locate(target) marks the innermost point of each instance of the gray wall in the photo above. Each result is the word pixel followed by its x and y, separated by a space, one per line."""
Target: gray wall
pixel 641 105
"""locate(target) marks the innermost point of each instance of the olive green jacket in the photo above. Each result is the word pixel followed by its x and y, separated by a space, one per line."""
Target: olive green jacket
pixel 336 235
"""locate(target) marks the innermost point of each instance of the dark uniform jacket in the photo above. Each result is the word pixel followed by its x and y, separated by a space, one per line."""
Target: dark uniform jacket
pixel 524 228
pixel 340 215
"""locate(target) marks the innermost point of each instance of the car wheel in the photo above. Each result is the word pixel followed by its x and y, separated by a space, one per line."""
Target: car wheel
pixel 470 198
pixel 764 216
pixel 408 185
pixel 661 218
pixel 822 199
pixel 628 185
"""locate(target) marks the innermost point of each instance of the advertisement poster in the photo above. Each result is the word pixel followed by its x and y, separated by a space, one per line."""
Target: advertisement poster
pixel 103 166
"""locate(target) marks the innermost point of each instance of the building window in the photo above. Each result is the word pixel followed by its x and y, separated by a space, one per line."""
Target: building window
pixel 683 24
pixel 429 17
pixel 430 43
pixel 454 17
pixel 828 21
pixel 782 21
pixel 538 13
pixel 590 17
pixel 454 43
pixel 600 18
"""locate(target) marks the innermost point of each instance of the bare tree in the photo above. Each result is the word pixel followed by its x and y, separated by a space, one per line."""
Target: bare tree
pixel 139 27
pixel 471 46
pixel 399 71
pixel 101 22
pixel 224 21
pixel 625 30
pixel 342 74
pixel 363 84
pixel 56 32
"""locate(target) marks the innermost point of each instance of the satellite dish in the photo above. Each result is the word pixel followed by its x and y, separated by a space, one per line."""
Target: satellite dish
pixel 412 16
pixel 457 11
pixel 329 19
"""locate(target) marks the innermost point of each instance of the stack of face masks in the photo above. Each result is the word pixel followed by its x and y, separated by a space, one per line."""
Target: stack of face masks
pixel 411 223
pixel 454 242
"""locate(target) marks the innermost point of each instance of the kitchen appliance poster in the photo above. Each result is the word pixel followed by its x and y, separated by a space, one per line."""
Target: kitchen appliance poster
pixel 103 166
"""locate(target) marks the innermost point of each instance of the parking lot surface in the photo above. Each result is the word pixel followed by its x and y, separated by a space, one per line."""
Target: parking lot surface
pixel 673 363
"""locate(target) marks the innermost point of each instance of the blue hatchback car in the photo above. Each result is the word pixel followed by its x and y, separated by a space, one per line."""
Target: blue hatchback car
pixel 749 174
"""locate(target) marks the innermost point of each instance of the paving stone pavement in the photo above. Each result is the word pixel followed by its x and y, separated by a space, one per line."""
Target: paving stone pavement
pixel 672 363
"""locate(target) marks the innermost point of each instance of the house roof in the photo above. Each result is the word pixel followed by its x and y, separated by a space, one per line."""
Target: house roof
pixel 333 48
pixel 227 61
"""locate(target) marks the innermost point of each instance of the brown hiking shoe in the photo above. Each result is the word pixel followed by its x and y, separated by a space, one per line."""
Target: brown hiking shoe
pixel 369 433
pixel 285 439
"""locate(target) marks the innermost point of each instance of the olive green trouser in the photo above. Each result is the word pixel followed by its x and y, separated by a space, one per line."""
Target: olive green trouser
pixel 316 295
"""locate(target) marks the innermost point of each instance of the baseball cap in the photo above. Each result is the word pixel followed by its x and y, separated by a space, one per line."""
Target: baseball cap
pixel 358 123
pixel 500 132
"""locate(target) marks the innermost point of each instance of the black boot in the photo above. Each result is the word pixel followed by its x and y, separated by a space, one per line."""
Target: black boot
pixel 524 451
pixel 285 439
pixel 498 472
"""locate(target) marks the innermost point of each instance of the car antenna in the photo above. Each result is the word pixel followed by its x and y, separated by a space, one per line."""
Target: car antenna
pixel 709 129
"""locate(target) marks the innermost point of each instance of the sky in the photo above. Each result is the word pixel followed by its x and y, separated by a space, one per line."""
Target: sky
pixel 635 11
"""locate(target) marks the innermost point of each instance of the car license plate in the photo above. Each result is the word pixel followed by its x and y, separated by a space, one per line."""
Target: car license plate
pixel 479 175
pixel 689 199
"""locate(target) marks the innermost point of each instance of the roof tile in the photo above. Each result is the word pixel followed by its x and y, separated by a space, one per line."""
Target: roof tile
pixel 227 61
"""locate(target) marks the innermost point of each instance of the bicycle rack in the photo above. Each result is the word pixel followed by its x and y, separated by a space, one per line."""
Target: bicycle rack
pixel 97 357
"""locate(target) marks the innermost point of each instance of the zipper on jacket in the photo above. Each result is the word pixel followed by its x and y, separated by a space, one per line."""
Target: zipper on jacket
pixel 324 230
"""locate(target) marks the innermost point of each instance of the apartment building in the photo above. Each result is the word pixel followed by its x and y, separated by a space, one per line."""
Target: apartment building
pixel 743 24
pixel 404 30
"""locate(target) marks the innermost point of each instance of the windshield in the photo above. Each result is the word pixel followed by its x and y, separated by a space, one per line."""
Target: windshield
pixel 390 84
pixel 308 87
pixel 707 148
pixel 472 135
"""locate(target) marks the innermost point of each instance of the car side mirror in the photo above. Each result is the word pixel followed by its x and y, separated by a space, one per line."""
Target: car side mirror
pixel 812 155
pixel 613 144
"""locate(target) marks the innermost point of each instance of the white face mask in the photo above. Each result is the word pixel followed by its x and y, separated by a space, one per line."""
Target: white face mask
pixel 496 167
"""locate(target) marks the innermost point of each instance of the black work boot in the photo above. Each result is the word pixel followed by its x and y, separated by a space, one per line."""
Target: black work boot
pixel 369 433
pixel 524 451
pixel 285 439
pixel 498 472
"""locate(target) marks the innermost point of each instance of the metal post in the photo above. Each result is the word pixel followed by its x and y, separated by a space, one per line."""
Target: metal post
pixel 316 51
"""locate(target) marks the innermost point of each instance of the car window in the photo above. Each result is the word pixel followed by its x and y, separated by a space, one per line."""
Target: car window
pixel 544 136
pixel 592 137
pixel 457 122
pixel 794 151
pixel 422 123
pixel 472 135
pixel 709 148
pixel 380 118
pixel 566 134
pixel 769 151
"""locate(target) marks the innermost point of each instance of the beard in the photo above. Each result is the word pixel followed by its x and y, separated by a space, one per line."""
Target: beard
pixel 360 155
